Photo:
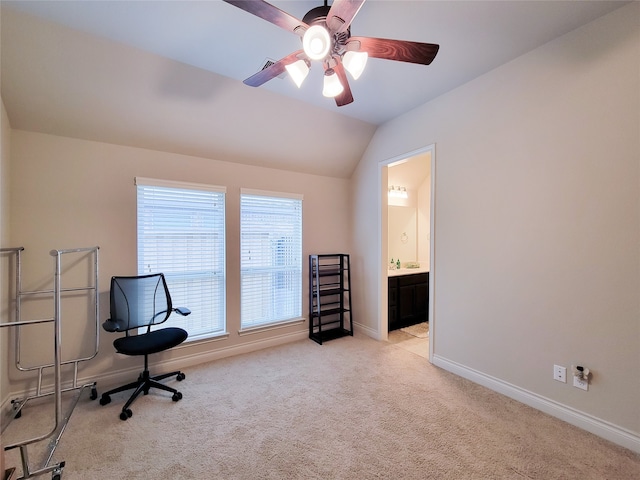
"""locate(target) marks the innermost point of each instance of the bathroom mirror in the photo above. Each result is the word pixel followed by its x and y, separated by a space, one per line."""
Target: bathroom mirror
pixel 403 233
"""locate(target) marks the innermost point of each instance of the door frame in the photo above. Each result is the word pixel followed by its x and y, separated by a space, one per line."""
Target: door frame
pixel 383 244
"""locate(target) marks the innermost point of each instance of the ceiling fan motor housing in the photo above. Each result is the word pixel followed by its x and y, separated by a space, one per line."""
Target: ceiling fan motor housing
pixel 317 15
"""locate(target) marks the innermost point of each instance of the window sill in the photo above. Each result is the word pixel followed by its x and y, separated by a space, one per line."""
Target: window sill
pixel 270 326
pixel 214 337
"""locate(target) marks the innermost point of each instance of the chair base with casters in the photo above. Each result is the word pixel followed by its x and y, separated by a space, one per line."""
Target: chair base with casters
pixel 142 302
pixel 145 381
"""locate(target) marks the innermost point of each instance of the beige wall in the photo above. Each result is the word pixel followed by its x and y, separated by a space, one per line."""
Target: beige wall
pixel 69 193
pixel 424 219
pixel 5 151
pixel 536 223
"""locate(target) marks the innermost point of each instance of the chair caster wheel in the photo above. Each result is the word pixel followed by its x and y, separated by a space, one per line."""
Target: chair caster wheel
pixel 17 409
pixel 176 396
pixel 56 474
pixel 126 414
pixel 181 376
pixel 105 399
pixel 94 393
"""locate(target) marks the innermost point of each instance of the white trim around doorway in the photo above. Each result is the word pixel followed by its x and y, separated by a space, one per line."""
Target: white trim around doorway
pixel 383 320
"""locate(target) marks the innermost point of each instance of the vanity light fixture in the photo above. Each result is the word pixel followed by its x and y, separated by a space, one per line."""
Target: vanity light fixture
pixel 398 192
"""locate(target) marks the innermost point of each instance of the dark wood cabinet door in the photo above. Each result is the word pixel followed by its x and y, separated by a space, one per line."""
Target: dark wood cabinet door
pixel 406 305
pixel 408 300
pixel 422 302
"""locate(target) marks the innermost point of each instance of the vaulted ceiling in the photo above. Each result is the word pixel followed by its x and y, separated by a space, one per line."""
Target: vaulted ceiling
pixel 167 75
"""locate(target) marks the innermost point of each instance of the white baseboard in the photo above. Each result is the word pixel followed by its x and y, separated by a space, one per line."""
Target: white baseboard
pixel 602 428
pixel 230 351
pixel 368 331
pixel 113 378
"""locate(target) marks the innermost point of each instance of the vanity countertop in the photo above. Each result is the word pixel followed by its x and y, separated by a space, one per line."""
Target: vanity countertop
pixel 407 271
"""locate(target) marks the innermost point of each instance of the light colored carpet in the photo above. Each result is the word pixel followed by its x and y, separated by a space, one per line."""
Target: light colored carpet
pixel 353 408
pixel 420 330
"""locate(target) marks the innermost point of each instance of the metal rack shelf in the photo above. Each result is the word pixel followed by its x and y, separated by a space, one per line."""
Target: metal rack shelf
pixel 329 297
pixel 56 391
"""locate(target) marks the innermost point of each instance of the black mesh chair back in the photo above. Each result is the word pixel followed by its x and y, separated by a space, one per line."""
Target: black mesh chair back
pixel 137 304
pixel 139 301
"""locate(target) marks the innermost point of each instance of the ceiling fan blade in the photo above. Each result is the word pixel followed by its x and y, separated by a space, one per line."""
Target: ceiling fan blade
pixel 344 98
pixel 399 50
pixel 272 71
pixel 341 14
pixel 272 14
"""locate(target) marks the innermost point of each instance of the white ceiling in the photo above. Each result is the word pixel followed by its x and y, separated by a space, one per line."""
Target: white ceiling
pixel 167 75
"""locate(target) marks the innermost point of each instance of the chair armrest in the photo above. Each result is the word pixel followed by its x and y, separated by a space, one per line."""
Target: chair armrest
pixel 113 326
pixel 182 311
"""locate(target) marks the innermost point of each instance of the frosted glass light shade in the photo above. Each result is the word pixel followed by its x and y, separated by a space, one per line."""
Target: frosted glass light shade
pixel 332 86
pixel 316 42
pixel 354 63
pixel 298 71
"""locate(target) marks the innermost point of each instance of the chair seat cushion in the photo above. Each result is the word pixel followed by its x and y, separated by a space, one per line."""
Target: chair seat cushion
pixel 152 342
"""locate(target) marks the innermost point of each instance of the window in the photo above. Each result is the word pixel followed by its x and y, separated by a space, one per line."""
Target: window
pixel 270 258
pixel 181 233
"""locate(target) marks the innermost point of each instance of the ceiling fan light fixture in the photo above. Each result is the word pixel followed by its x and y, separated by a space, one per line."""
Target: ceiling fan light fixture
pixel 316 42
pixel 298 71
pixel 332 86
pixel 354 63
pixel 325 32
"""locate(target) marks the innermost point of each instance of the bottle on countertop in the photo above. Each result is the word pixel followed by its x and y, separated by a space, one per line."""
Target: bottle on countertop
pixel 398 264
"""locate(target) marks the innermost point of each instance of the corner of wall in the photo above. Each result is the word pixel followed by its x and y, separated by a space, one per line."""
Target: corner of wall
pixel 5 152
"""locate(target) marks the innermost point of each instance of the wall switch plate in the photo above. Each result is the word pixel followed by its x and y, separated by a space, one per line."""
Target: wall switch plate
pixel 560 373
pixel 582 383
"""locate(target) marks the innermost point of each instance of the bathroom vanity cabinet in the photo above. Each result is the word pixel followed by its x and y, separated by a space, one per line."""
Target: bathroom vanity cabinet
pixel 408 300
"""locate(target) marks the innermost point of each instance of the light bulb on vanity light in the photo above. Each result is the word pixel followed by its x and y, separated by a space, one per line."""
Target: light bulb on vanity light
pixel 398 192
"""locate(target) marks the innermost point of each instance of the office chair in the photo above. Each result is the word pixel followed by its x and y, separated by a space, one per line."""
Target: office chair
pixel 137 303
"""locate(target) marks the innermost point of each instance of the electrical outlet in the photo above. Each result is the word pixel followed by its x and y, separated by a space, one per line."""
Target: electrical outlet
pixel 560 373
pixel 582 383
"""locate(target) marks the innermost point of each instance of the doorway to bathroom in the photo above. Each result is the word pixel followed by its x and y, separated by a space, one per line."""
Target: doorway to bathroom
pixel 406 233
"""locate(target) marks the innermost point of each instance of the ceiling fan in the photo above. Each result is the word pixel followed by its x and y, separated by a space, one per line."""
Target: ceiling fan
pixel 326 37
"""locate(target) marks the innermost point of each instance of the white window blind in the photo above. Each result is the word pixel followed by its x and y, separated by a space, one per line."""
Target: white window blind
pixel 181 233
pixel 270 258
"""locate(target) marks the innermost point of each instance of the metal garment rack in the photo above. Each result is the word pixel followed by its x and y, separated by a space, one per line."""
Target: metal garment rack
pixel 60 420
